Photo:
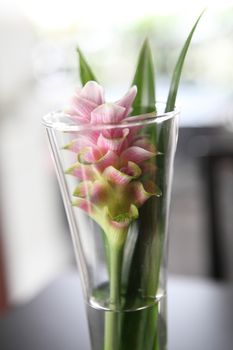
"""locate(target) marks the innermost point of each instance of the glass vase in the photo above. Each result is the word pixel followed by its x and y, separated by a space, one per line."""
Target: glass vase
pixel 115 181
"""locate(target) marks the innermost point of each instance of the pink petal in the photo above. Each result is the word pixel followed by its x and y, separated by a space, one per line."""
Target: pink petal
pixel 140 193
pixel 112 133
pixel 128 99
pixel 83 189
pixel 73 146
pixel 113 144
pixel 94 92
pixel 76 118
pixel 81 142
pixel 133 133
pixel 152 188
pixel 89 155
pixel 107 113
pixel 94 135
pixel 132 170
pixel 110 158
pixel 99 192
pixel 82 172
pixel 122 220
pixel 116 176
pixel 118 133
pixel 82 107
pixel 83 204
pixel 120 224
pixel 86 167
pixel 144 143
pixel 136 154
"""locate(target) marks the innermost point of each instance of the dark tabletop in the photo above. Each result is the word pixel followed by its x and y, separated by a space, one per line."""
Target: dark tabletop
pixel 200 317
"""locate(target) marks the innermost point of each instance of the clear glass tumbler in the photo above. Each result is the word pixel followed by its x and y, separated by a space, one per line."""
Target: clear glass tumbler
pixel 115 181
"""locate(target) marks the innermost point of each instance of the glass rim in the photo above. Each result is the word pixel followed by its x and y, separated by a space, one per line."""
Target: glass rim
pixel 61 121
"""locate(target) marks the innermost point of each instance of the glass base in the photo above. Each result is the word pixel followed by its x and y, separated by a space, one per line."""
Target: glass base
pixel 140 329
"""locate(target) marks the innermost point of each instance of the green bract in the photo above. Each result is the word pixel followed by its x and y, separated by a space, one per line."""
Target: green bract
pixel 145 82
pixel 171 100
pixel 85 70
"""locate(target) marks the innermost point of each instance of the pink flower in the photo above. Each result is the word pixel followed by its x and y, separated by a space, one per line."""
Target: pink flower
pixel 88 105
pixel 111 163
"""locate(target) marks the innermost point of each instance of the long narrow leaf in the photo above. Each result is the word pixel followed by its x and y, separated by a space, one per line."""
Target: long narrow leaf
pixel 145 81
pixel 86 73
pixel 178 70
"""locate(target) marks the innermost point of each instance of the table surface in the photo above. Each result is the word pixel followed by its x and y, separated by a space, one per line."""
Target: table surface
pixel 200 317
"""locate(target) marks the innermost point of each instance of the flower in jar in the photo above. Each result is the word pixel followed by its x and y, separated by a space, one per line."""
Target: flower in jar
pixel 113 158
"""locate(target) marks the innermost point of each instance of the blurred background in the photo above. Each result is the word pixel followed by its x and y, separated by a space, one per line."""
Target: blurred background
pixel 38 72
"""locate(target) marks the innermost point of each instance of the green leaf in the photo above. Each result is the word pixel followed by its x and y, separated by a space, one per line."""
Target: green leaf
pixel 145 81
pixel 85 71
pixel 178 70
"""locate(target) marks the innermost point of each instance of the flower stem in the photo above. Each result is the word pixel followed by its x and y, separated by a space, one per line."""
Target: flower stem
pixel 113 318
pixel 112 328
pixel 116 254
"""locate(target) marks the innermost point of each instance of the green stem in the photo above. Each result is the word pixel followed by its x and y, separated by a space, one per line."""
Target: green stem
pixel 116 255
pixel 139 331
pixel 111 337
pixel 112 318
